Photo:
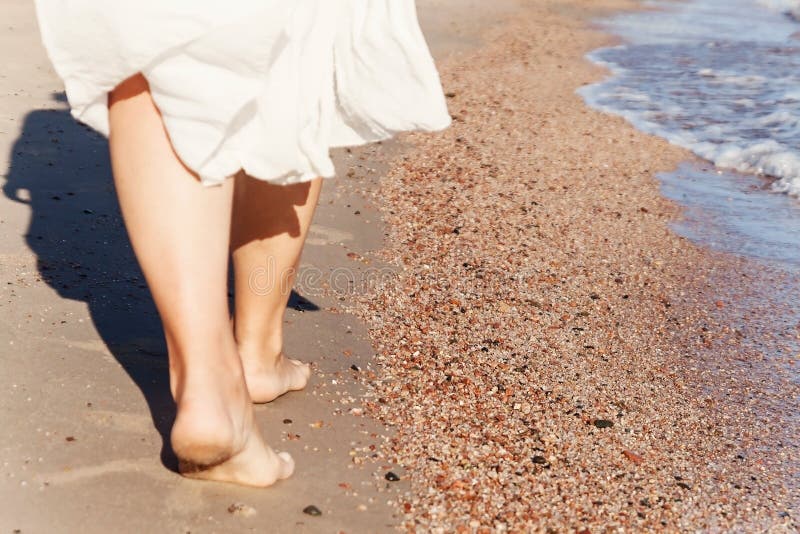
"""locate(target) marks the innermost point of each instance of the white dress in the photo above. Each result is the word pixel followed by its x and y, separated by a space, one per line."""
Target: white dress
pixel 267 86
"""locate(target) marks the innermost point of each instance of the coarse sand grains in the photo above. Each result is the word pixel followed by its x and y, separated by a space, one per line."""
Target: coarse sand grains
pixel 550 354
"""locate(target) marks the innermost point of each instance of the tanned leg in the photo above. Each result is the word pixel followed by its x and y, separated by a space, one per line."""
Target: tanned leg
pixel 180 233
pixel 270 224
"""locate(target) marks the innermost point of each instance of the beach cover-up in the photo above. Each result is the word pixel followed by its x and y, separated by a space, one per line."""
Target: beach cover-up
pixel 267 86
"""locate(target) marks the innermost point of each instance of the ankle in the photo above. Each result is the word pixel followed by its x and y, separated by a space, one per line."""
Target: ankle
pixel 205 369
pixel 265 350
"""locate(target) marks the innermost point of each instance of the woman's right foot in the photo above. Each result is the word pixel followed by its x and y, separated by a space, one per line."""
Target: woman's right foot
pixel 269 379
pixel 215 436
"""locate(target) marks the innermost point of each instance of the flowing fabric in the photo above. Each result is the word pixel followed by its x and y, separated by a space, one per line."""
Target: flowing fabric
pixel 266 86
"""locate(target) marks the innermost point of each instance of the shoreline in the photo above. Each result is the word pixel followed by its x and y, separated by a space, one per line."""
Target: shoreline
pixel 638 352
pixel 724 207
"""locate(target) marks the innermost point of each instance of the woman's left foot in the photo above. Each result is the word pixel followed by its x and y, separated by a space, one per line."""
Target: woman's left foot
pixel 267 382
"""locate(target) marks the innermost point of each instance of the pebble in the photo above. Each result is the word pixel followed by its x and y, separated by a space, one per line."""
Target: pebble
pixel 603 423
pixel 312 510
pixel 633 457
pixel 241 509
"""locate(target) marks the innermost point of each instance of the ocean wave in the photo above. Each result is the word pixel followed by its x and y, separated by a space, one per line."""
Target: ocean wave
pixel 714 142
pixel 732 99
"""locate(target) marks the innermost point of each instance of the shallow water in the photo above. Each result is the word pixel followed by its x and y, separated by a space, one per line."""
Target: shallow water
pixel 720 78
pixel 736 213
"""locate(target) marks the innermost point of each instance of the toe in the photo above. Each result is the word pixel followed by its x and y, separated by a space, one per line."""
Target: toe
pixel 286 465
pixel 301 376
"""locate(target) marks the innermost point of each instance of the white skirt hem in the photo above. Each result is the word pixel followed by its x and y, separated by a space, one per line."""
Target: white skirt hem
pixel 267 90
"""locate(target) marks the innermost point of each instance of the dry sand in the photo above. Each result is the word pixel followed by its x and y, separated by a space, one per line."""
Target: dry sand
pixel 536 292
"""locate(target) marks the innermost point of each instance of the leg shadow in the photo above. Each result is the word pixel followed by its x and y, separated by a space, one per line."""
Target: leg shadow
pixel 61 169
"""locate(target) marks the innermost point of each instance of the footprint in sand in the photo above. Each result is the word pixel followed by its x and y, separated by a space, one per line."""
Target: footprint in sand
pixel 319 235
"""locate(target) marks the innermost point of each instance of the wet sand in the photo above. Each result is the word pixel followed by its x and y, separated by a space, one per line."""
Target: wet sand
pixel 85 400
pixel 552 355
pixel 84 395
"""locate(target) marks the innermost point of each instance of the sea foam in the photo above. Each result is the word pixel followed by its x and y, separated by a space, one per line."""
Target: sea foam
pixel 718 77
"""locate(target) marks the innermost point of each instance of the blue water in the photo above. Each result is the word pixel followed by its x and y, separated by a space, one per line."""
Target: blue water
pixel 722 79
pixel 736 213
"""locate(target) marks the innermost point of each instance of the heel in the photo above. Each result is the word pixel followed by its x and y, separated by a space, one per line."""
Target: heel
pixel 194 458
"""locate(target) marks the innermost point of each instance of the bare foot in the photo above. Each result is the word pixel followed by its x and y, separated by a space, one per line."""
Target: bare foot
pixel 267 382
pixel 215 437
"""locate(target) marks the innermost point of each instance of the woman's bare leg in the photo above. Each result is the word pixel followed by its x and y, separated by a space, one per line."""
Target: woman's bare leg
pixel 270 224
pixel 180 232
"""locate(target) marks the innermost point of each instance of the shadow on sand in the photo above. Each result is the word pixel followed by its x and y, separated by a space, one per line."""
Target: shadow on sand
pixel 61 169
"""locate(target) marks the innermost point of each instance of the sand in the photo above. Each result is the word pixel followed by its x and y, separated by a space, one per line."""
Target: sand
pixel 84 398
pixel 552 355
pixel 543 351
